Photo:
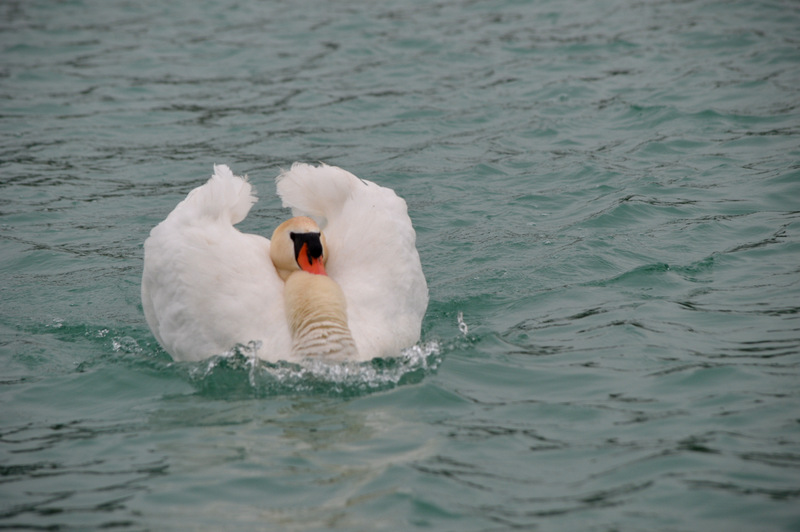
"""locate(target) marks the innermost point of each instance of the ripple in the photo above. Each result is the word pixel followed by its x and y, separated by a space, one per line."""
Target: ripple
pixel 240 373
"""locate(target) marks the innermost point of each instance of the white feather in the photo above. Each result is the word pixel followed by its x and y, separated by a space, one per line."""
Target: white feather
pixel 372 253
pixel 206 286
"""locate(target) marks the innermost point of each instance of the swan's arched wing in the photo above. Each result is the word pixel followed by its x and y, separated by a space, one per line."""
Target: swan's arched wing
pixel 371 253
pixel 206 286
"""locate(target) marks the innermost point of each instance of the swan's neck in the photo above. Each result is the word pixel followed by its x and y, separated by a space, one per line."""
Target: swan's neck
pixel 317 314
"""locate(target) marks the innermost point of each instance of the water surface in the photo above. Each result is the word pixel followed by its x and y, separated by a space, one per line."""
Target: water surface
pixel 607 193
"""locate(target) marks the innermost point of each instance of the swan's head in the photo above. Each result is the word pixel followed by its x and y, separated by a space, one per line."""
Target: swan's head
pixel 298 244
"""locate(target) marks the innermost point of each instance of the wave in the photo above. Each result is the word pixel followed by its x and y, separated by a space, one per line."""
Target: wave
pixel 240 373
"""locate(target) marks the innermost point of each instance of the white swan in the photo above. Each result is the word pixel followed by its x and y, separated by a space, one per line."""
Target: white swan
pixel 354 291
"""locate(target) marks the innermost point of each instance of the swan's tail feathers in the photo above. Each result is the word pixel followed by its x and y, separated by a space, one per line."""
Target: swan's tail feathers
pixel 225 196
pixel 316 191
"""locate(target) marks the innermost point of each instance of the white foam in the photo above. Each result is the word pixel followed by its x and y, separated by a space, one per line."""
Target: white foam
pixel 316 374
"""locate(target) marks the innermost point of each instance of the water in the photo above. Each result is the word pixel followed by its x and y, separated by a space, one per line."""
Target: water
pixel 606 199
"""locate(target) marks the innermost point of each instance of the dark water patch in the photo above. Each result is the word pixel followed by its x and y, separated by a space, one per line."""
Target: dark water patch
pixel 773 493
pixel 778 459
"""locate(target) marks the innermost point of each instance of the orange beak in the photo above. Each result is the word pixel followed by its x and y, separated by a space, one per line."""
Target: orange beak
pixel 309 264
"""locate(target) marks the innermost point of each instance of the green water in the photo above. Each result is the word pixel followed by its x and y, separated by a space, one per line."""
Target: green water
pixel 608 192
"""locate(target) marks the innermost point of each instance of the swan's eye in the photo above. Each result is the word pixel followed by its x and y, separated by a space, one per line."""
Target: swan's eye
pixel 312 242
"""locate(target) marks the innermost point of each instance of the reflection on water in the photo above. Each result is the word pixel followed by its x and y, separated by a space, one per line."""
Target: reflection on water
pixel 302 461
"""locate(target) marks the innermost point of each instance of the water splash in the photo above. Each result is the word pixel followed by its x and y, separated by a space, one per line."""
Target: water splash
pixel 461 325
pixel 241 373
pixel 122 344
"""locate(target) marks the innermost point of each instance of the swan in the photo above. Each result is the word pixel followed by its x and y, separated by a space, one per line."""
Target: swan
pixel 341 279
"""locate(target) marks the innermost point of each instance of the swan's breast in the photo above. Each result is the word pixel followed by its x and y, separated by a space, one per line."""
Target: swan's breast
pixel 317 315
